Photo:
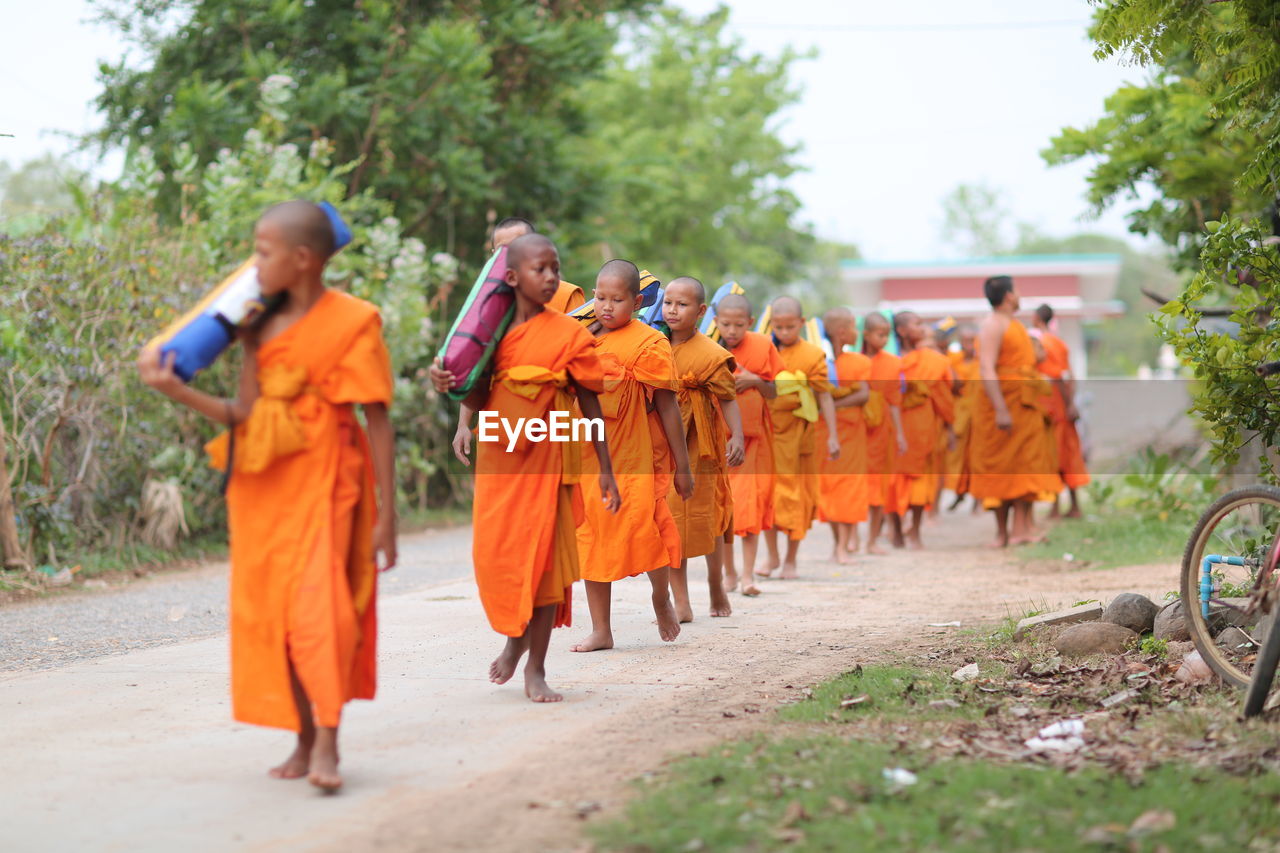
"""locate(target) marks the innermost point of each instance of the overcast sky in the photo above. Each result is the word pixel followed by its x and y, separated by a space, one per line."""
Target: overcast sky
pixel 903 102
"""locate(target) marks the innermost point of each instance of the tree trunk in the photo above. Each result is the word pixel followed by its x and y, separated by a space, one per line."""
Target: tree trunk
pixel 11 555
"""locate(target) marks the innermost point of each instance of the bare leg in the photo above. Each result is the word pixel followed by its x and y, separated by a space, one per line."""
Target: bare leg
pixel 789 567
pixel 730 570
pixel 841 531
pixel 668 624
pixel 914 542
pixel 874 525
pixel 324 760
pixel 715 583
pixel 1074 512
pixel 854 545
pixel 504 665
pixel 774 561
pixel 680 591
pixel 1002 525
pixel 1053 508
pixel 1023 532
pixel 750 545
pixel 299 761
pixel 895 526
pixel 600 603
pixel 538 638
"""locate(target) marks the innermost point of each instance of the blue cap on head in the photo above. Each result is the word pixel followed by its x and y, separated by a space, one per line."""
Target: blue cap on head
pixel 341 230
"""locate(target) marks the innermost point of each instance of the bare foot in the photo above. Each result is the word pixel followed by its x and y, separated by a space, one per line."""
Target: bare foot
pixel 324 769
pixel 789 572
pixel 684 612
pixel 668 624
pixel 295 766
pixel 595 641
pixel 898 541
pixel 998 543
pixel 766 572
pixel 1075 513
pixel 914 542
pixel 1033 539
pixel 750 589
pixel 876 550
pixel 730 579
pixel 504 665
pixel 720 602
pixel 842 558
pixel 535 687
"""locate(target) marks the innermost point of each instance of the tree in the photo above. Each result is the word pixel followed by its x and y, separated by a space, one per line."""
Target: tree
pixel 690 166
pixel 454 110
pixel 976 221
pixel 42 186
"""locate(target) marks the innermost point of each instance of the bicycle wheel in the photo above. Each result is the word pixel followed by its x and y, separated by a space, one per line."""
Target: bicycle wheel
pixel 1225 565
pixel 1264 671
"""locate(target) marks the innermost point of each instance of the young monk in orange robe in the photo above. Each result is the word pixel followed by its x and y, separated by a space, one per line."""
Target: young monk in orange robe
pixel 305 527
pixel 757 363
pixel 842 493
pixel 804 395
pixel 1005 448
pixel 884 422
pixel 646 440
pixel 1062 410
pixel 1048 482
pixel 713 436
pixel 968 385
pixel 927 410
pixel 525 572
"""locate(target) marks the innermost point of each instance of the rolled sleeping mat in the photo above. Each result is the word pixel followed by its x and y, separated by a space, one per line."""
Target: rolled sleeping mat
pixel 708 326
pixel 202 334
pixel 479 327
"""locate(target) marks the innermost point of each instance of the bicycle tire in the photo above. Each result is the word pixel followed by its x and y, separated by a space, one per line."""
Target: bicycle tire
pixel 1264 671
pixel 1197 626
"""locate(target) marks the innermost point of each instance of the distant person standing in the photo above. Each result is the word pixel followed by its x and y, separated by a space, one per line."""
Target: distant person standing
pixel 1056 366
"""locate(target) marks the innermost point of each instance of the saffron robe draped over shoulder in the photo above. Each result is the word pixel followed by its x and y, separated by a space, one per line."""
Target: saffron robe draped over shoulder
pixel 301 510
pixel 704 375
pixel 567 297
pixel 527 502
pixel 752 481
pixel 882 440
pixel 642 535
pixel 1056 364
pixel 796 457
pixel 1006 465
pixel 927 406
pixel 842 493
pixel 969 378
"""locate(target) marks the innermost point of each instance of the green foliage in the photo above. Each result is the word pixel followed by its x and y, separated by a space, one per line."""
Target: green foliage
pixel 1241 268
pixel 1203 131
pixel 686 148
pixel 896 691
pixel 449 109
pixel 1153 645
pixel 85 292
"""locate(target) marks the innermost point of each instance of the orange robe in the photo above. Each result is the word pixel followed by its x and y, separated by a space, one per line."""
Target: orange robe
pixel 1008 464
pixel 927 406
pixel 796 456
pixel 301 510
pixel 704 373
pixel 957 462
pixel 642 535
pixel 533 563
pixel 882 441
pixel 567 297
pixel 752 481
pixel 842 492
pixel 1071 465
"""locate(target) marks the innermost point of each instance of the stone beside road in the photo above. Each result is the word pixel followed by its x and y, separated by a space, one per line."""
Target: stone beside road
pixel 1133 611
pixel 1091 638
pixel 1084 613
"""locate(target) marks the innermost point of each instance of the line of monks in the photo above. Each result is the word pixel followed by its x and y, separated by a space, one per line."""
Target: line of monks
pixel 705 442
pixel 708 441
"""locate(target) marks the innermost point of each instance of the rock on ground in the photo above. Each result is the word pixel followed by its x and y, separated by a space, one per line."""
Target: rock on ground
pixel 1091 638
pixel 1133 611
pixel 1171 622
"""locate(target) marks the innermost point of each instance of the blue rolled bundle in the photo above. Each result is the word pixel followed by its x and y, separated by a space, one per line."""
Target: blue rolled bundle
pixel 204 333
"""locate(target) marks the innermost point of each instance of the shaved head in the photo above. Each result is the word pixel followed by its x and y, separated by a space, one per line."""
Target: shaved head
pixel 787 306
pixel 303 224
pixel 836 316
pixel 734 302
pixel 522 247
pixel 902 318
pixel 624 271
pixel 692 284
pixel 875 320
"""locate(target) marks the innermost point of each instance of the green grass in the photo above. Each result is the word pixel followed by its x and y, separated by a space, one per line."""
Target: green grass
pixel 897 691
pixel 1114 538
pixel 828 793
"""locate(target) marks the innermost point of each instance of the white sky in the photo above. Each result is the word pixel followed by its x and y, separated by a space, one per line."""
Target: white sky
pixel 904 101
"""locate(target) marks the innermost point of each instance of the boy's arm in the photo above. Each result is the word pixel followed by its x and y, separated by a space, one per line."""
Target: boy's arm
pixel 157 371
pixel 382 440
pixel 858 397
pixel 673 426
pixel 589 402
pixel 988 351
pixel 895 413
pixel 736 450
pixel 827 406
pixel 462 436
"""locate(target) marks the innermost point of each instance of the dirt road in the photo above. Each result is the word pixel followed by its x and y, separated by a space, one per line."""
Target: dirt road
pixel 136 750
